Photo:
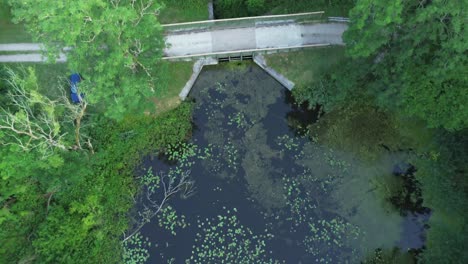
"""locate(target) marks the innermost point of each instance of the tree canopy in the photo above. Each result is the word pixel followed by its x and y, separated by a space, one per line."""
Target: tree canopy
pixel 114 44
pixel 418 56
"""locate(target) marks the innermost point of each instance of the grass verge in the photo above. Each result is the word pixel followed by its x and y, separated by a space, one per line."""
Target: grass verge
pixel 9 32
pixel 276 7
pixel 242 8
pixel 51 77
pixel 177 75
pixel 184 11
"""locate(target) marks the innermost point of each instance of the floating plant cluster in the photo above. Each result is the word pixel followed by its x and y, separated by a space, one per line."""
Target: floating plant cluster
pixel 328 240
pixel 170 220
pixel 224 239
pixel 136 249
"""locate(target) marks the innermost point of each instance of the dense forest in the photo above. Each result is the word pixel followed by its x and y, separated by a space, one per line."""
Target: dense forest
pixel 68 181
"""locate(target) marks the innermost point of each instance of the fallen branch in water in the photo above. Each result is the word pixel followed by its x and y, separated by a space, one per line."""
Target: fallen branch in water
pixel 171 184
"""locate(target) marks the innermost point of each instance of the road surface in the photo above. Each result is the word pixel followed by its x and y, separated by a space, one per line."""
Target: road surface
pixel 218 40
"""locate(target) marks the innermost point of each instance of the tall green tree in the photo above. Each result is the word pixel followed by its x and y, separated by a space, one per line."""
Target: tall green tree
pixel 33 151
pixel 418 54
pixel 115 45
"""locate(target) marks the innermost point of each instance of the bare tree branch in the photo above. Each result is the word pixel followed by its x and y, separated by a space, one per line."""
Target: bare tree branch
pixel 169 187
pixel 32 121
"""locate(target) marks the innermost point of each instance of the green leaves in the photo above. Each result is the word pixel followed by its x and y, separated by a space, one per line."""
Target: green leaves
pixel 418 57
pixel 372 25
pixel 115 46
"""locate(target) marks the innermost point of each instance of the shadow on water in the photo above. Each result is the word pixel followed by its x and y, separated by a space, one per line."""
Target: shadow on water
pixel 301 115
pixel 410 204
pixel 280 186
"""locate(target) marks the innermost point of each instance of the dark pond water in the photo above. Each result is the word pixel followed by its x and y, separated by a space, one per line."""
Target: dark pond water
pixel 265 193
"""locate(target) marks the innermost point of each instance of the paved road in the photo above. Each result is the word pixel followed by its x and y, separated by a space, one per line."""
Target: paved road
pixel 29 57
pixel 32 53
pixel 21 47
pixel 260 37
pixel 223 40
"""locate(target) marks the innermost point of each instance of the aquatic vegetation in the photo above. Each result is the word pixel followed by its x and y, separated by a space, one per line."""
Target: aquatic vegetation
pixel 267 191
pixel 358 129
pixel 225 240
pixel 150 180
pixel 388 186
pixel 220 159
pixel 206 153
pixel 239 120
pixel 342 165
pixel 220 87
pixel 170 220
pixel 288 142
pixel 332 180
pixel 236 67
pixel 298 201
pixel 181 152
pixel 214 164
pixel 136 249
pixel 389 256
pixel 332 241
pixel 258 167
pixel 231 155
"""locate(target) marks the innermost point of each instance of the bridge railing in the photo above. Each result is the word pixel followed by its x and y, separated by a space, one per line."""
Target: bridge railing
pixel 243 53
pixel 244 22
pixel 339 19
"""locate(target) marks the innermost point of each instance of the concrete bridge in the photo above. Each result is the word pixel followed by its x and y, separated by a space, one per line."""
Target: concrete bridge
pixel 224 39
pixel 212 41
pixel 246 36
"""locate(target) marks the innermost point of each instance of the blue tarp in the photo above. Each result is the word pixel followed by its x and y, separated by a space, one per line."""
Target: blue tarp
pixel 75 98
pixel 75 78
